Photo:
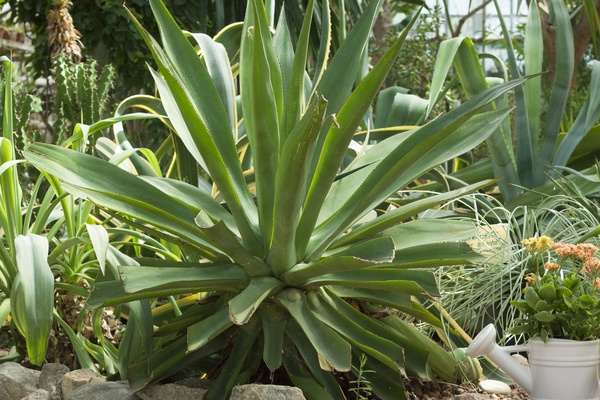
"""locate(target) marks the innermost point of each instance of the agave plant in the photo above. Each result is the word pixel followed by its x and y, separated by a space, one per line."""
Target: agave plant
pixel 299 276
pixel 541 149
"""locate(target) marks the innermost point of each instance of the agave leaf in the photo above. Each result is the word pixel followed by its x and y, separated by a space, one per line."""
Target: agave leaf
pixel 403 213
pixel 194 197
pixel 310 389
pixel 534 56
pixel 291 185
pixel 294 100
pixel 121 193
pixel 206 330
pixel 414 358
pixel 397 108
pixel 32 295
pixel 232 367
pixel 137 338
pixel 429 231
pixel 416 283
pixel 335 141
pixel 217 64
pixel 436 255
pixel 220 236
pixel 462 52
pixel 260 81
pixel 526 153
pixel 208 128
pixel 387 387
pixel 381 249
pixel 245 304
pixel 334 351
pixel 228 277
pixel 273 319
pixel 311 359
pixel 585 121
pixel 440 361
pixel 428 146
pixel 386 351
pixel 565 64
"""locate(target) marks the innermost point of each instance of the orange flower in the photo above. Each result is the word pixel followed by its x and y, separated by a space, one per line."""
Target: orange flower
pixel 530 278
pixel 591 264
pixel 597 283
pixel 552 266
pixel 565 249
pixel 586 250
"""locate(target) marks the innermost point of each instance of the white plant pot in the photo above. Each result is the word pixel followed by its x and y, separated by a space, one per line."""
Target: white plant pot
pixel 564 369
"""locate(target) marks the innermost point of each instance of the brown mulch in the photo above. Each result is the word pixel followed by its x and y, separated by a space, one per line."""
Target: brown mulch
pixel 419 389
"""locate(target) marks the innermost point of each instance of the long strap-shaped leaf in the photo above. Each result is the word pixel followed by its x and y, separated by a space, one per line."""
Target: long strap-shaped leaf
pixel 124 192
pixel 587 118
pixel 525 150
pixel 262 104
pixel 207 122
pixel 333 350
pixel 403 213
pixel 293 98
pixel 291 185
pixel 436 142
pixel 339 136
pixel 565 64
pixel 462 52
pixel 533 52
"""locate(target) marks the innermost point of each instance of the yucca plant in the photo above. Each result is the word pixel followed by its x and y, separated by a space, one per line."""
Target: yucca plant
pixel 300 277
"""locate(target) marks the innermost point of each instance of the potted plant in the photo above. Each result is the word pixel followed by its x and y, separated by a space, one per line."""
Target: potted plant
pixel 560 312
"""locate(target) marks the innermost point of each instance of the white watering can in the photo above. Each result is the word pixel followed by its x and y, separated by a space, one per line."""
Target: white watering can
pixel 559 369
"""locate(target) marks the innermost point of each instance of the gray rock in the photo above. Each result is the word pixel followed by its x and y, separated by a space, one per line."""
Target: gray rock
pixel 74 379
pixel 471 396
pixel 17 381
pixel 103 391
pixel 170 391
pixel 266 392
pixel 51 378
pixel 195 383
pixel 39 394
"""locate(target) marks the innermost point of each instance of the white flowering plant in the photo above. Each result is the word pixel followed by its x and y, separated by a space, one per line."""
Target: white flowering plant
pixel 562 297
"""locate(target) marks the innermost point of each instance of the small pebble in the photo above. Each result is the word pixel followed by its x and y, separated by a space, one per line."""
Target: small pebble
pixel 492 386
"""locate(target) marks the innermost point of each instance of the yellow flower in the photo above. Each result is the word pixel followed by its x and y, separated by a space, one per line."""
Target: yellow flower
pixel 538 245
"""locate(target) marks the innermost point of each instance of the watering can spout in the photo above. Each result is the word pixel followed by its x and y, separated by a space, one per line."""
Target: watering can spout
pixel 485 344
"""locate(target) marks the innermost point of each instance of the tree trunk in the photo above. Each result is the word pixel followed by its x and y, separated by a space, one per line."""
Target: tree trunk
pixel 582 36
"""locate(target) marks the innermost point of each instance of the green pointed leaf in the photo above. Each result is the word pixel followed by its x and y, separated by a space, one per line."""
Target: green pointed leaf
pixel 273 319
pixel 245 304
pixel 333 350
pixel 428 146
pixel 585 121
pixel 356 333
pixel 413 282
pixel 181 279
pixel 565 64
pixel 203 332
pixel 261 82
pixel 356 257
pixel 404 213
pixel 335 141
pixel 291 184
